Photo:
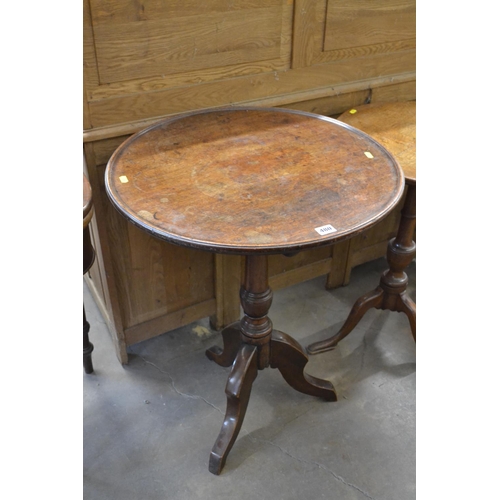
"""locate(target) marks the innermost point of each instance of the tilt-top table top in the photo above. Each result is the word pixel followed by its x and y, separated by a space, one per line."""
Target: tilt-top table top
pixel 253 180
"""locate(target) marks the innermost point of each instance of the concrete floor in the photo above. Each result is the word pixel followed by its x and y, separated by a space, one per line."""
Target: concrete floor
pixel 149 426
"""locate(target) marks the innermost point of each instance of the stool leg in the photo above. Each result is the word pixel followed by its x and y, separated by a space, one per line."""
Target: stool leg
pixel 87 346
pixel 391 292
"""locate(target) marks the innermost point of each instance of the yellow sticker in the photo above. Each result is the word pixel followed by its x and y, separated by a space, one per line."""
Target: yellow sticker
pixel 123 178
pixel 353 111
pixel 368 154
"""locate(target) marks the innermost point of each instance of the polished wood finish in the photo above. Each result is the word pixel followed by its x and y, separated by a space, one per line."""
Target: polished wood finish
pixel 253 182
pixel 88 259
pixel 207 171
pixel 394 126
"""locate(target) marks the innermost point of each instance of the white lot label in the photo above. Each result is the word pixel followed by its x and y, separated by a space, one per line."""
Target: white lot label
pixel 325 229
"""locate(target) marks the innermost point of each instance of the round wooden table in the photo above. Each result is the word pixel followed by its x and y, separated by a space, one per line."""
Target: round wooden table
pixel 394 126
pixel 254 182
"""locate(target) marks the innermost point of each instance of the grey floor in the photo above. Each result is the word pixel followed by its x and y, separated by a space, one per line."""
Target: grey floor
pixel 149 426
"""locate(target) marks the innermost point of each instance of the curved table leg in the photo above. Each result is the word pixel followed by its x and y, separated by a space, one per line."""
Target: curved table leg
pixel 231 337
pixel 363 304
pixel 289 357
pixel 391 292
pixel 254 345
pixel 410 309
pixel 238 388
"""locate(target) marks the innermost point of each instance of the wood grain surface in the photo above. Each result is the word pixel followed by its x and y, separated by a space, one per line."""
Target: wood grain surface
pixel 355 23
pixel 244 180
pixel 148 60
pixel 394 126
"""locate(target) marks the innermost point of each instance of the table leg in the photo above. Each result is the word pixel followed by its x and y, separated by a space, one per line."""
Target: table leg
pixel 391 292
pixel 288 356
pixel 238 388
pixel 87 346
pixel 88 260
pixel 231 337
pixel 254 345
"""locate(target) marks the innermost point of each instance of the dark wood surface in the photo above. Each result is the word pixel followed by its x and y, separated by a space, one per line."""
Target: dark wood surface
pixel 252 180
pixel 394 125
pixel 255 182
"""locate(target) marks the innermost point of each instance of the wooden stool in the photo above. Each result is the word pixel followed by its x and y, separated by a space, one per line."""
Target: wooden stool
pixel 394 126
pixel 88 260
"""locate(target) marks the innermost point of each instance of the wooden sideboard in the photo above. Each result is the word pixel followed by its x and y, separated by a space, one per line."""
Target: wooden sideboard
pixel 149 59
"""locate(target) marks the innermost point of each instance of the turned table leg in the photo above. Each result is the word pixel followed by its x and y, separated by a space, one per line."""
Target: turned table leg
pixel 391 292
pixel 251 346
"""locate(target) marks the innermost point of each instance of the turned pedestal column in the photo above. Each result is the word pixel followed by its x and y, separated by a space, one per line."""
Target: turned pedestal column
pixel 253 345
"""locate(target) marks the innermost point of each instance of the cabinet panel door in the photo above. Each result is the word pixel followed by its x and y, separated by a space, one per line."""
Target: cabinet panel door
pixel 146 39
pixel 331 30
pixel 356 23
pixel 138 54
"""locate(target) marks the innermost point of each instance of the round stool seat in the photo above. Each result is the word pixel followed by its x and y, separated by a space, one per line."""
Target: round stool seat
pixel 393 125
